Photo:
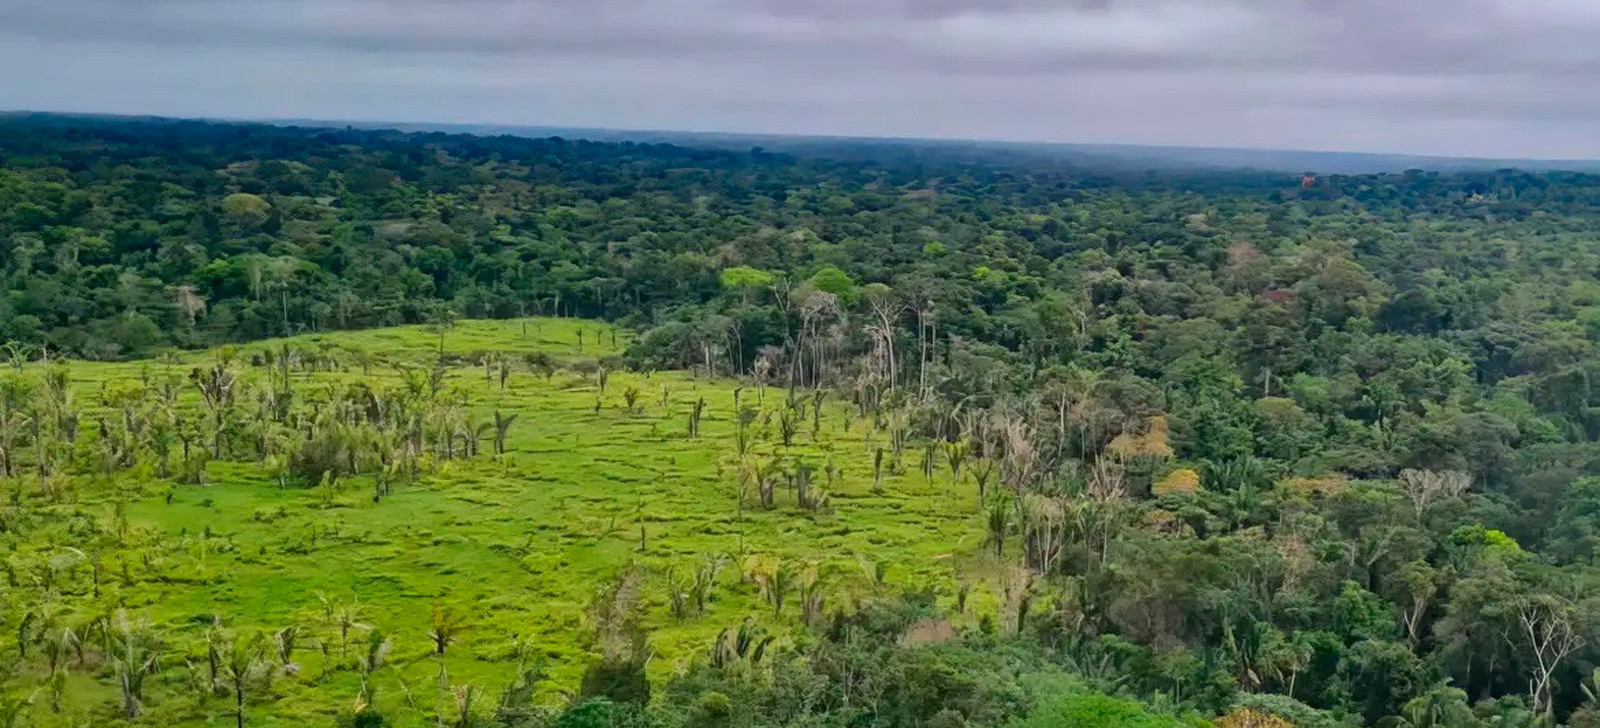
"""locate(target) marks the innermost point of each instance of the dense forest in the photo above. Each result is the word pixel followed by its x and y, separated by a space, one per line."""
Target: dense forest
pixel 1263 450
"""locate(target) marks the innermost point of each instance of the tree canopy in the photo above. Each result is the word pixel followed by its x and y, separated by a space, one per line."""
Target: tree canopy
pixel 1263 449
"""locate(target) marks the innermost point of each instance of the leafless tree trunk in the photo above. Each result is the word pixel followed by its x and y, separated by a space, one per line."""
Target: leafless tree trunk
pixel 1426 487
pixel 1545 623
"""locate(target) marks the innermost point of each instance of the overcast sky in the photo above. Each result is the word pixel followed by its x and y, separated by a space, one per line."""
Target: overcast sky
pixel 1463 77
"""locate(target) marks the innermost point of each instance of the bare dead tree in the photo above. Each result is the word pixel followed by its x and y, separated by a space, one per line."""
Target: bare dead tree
pixel 887 308
pixel 1544 624
pixel 189 303
pixel 815 309
pixel 1019 459
pixel 1426 487
pixel 1043 521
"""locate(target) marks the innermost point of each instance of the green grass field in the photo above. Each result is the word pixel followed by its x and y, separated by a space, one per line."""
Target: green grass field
pixel 517 544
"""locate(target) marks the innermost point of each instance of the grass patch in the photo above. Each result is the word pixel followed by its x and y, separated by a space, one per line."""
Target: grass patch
pixel 517 543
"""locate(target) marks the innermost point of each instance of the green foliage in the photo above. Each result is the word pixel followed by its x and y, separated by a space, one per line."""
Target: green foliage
pixel 1298 714
pixel 1094 710
pixel 746 280
pixel 1217 442
pixel 830 279
pixel 168 548
pixel 594 713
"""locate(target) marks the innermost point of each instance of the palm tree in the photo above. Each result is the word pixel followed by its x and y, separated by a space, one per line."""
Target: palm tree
pixel 344 617
pixel 811 595
pixel 472 432
pixel 217 388
pixel 516 703
pixel 282 270
pixel 14 419
pixel 377 650
pixel 285 640
pixel 1440 707
pixel 776 583
pixel 447 628
pixel 465 695
pixel 502 425
pixel 248 666
pixel 27 632
pixel 999 524
pixel 1591 687
pixel 134 651
pixel 745 646
pixel 58 645
pixel 955 454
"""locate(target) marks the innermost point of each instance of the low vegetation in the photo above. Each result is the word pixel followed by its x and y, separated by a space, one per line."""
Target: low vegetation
pixel 267 530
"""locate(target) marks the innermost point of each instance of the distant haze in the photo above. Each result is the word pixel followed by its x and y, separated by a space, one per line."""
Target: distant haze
pixel 1127 156
pixel 1499 79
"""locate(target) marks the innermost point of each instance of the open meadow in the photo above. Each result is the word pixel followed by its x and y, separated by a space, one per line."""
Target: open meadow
pixel 436 557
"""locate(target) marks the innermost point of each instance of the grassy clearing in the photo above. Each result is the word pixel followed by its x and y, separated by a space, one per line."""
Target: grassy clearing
pixel 517 544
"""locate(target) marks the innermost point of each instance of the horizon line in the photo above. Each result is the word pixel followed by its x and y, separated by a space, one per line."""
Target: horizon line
pixel 443 126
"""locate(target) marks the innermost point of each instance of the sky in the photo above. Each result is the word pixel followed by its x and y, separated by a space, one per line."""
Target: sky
pixel 1495 78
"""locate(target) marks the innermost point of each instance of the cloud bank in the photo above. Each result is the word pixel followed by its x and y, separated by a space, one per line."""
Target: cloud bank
pixel 1464 77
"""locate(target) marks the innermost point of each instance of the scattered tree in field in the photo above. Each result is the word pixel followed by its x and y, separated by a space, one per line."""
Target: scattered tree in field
pixel 440 321
pixel 789 420
pixel 540 364
pixel 741 648
pixel 446 627
pixel 776 580
pixel 344 618
pixel 134 651
pixel 502 427
pixel 615 615
pixel 246 668
pixel 812 598
pixel 695 416
pixel 955 456
pixel 997 520
pixel 284 643
pixel 373 656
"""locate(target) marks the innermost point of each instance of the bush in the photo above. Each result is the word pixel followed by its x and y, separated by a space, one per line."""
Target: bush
pixel 1094 710
pixel 364 718
pixel 1295 712
pixel 597 713
pixel 712 709
pixel 324 454
pixel 1585 718
pixel 619 681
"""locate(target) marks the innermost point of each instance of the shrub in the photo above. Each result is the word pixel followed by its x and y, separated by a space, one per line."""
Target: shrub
pixel 1094 710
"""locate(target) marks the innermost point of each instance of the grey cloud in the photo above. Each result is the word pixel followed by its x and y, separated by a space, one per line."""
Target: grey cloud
pixel 1456 76
pixel 1473 36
